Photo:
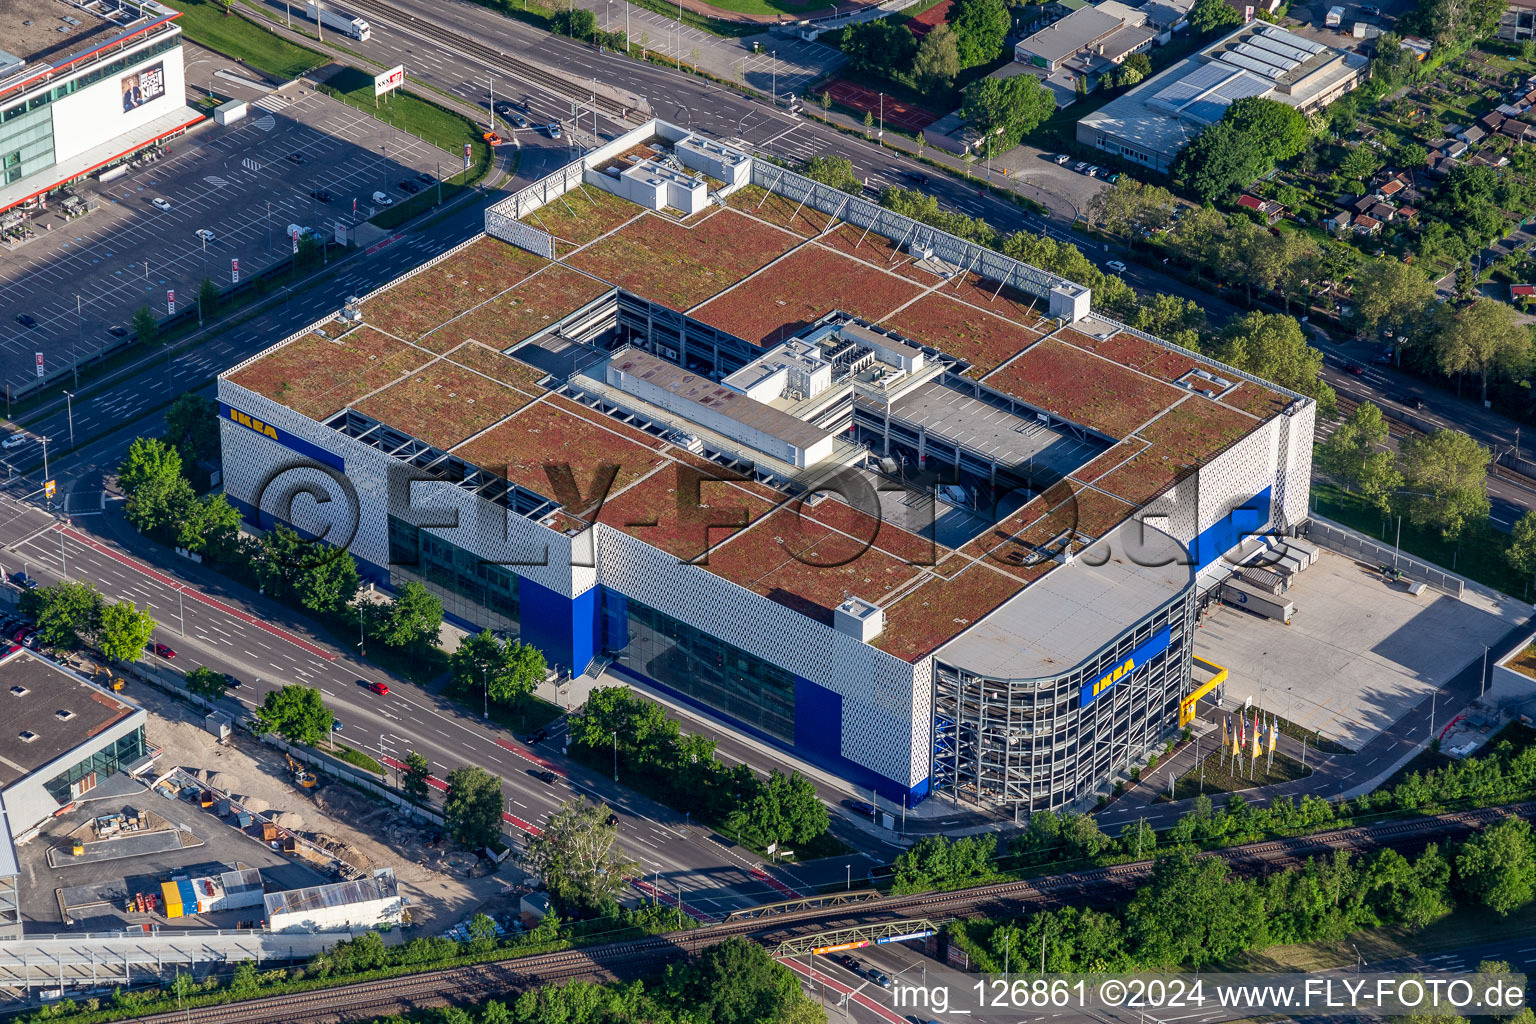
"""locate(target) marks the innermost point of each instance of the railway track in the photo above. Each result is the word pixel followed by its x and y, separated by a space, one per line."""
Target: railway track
pixel 474 984
pixel 531 73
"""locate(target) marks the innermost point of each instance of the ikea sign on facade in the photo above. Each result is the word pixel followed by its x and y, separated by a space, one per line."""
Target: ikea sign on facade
pixel 293 443
pixel 1155 645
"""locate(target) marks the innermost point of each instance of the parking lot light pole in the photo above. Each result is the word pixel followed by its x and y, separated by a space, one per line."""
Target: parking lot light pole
pixel 79 335
pixel 69 406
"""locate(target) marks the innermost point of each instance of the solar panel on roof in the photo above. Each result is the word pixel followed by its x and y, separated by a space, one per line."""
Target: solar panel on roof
pixel 1274 60
pixel 1291 39
pixel 1291 53
pixel 1258 67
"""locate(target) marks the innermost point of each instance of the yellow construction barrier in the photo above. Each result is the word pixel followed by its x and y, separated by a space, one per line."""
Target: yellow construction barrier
pixel 1187 705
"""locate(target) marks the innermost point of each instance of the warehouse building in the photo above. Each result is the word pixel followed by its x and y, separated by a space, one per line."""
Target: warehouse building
pixel 84 85
pixel 1151 123
pixel 902 506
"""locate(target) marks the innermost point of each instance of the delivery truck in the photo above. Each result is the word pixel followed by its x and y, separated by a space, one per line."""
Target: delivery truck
pixel 339 21
pixel 1250 599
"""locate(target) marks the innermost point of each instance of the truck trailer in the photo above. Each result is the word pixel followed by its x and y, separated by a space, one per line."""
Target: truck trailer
pixel 1334 18
pixel 339 21
pixel 1250 599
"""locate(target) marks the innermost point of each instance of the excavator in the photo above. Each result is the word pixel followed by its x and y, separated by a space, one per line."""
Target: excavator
pixel 302 776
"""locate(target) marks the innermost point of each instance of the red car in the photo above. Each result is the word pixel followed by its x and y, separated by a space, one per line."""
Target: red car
pixel 379 687
pixel 164 651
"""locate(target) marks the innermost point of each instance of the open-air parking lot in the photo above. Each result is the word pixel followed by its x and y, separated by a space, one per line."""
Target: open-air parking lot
pixel 224 193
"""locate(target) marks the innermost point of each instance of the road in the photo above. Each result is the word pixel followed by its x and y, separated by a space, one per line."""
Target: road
pixel 1397 393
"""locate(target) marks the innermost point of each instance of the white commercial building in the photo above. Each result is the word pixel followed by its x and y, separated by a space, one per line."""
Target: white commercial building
pixel 1151 123
pixel 83 87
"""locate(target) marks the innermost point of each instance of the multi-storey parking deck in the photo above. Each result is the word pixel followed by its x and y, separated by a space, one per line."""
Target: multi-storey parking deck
pixel 894 502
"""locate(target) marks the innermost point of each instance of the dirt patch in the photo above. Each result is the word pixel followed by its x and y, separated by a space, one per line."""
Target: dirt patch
pixel 444 885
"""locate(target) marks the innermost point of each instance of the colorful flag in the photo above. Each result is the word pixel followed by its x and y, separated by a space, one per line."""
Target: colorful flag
pixel 1255 732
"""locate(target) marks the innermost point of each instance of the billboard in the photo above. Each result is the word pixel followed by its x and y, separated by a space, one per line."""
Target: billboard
pixel 143 86
pixel 387 81
pixel 39 366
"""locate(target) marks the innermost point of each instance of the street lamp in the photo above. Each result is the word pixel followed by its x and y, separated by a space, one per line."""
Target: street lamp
pixel 615 755
pixel 485 693
pixel 69 406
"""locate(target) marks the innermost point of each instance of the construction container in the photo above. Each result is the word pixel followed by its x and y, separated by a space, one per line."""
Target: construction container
pixel 269 832
pixel 1301 547
pixel 1291 563
pixel 172 896
pixel 1263 579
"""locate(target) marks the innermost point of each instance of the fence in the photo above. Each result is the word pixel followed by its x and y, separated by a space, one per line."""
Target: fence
pixel 1345 541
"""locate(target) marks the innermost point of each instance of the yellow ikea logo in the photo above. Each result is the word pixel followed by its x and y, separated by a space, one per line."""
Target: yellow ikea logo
pixel 1111 678
pixel 265 429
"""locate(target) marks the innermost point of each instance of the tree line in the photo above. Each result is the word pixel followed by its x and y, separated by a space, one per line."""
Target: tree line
pixel 1271 346
pixel 1194 911
pixel 682 770
pixel 319 577
pixel 1062 841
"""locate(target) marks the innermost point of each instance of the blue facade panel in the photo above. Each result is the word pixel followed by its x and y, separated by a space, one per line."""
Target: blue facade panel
pixel 564 628
pixel 1247 520
pixel 818 718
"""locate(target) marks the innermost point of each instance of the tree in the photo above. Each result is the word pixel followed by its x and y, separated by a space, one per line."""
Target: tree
pixel 1359 163
pixel 937 61
pixel 1390 293
pixel 124 631
pixel 207 297
pixel 145 326
pixel 1497 866
pixel 981 29
pixel 414 619
pixel 205 682
pixel 150 477
pixel 507 669
pixel 1192 912
pixel 878 47
pixel 209 524
pixel 735 982
pixel 784 810
pixel 472 808
pixel 67 614
pixel 1006 108
pixel 1447 472
pixel 1272 346
pixel 323 577
pixel 1521 553
pixel 192 427
pixel 1357 455
pixel 1210 15
pixel 578 858
pixel 296 713
pixel 576 22
pixel 413 780
pixel 1485 337
pixel 836 171
pixel 1129 206
pixel 1252 136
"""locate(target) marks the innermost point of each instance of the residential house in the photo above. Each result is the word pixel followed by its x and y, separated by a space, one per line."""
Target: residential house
pixel 1455 149
pixel 1490 121
pixel 1518 292
pixel 1268 210
pixel 1339 222
pixel 1382 212
pixel 1367 225
pixel 1471 136
pixel 1407 213
pixel 1391 187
